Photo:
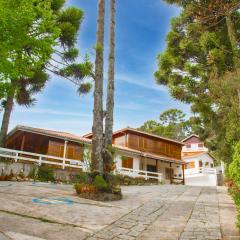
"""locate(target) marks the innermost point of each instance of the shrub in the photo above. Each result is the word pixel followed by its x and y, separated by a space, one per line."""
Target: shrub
pixel 33 173
pixel 99 183
pixel 45 173
pixel 82 177
pixel 84 188
pixel 234 175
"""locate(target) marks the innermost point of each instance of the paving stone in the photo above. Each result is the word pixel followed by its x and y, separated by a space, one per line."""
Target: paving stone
pixel 180 213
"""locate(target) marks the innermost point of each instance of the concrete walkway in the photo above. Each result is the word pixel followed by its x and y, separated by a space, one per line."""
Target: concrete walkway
pixel 40 211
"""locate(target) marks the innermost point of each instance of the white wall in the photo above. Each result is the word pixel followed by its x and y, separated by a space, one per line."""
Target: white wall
pixel 194 148
pixel 201 180
pixel 204 158
pixel 118 160
pixel 140 163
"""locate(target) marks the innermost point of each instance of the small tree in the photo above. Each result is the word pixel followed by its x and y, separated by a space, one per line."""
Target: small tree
pixel 43 42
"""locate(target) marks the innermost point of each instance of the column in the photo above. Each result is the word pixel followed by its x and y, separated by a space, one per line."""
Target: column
pixel 183 173
pixel 64 153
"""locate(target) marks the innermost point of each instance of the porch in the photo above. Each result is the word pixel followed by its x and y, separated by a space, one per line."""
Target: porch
pixel 163 170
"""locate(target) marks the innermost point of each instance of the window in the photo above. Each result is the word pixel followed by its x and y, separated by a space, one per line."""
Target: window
pixel 70 152
pixel 200 163
pixel 188 146
pixel 151 168
pixel 212 165
pixel 207 164
pixel 190 165
pixel 127 162
pixel 200 145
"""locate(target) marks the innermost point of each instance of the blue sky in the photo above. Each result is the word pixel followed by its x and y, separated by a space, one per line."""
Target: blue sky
pixel 141 30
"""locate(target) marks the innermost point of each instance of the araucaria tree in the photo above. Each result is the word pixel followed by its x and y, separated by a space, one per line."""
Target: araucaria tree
pixel 201 67
pixel 201 55
pixel 37 37
pixel 172 124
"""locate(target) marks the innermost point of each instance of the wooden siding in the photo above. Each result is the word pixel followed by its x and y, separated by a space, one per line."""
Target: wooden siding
pixel 155 146
pixel 74 151
pixel 120 140
pixel 193 139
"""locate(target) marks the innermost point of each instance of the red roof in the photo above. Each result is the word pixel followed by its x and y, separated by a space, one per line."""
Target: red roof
pixel 133 130
pixel 197 154
pixel 51 133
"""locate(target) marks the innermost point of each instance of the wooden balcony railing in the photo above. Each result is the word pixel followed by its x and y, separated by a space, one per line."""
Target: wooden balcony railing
pixel 139 173
pixel 40 158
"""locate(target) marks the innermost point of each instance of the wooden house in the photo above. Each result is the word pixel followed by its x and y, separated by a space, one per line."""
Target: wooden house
pixel 199 166
pixel 137 153
pixel 153 153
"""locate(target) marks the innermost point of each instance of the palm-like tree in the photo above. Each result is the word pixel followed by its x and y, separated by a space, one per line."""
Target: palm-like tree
pixel 110 89
pixel 97 129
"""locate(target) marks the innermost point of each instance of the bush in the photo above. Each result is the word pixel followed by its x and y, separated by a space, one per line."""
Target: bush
pixel 45 174
pixel 82 177
pixel 33 173
pixel 234 175
pixel 100 184
pixel 84 188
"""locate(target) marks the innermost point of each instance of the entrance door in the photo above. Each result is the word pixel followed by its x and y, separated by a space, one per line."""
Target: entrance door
pixel 168 173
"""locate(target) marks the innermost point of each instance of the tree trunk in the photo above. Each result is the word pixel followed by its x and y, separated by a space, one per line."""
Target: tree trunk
pixel 234 44
pixel 6 118
pixel 97 129
pixel 233 39
pixel 110 88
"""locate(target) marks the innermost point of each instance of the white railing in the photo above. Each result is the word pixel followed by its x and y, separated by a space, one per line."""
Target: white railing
pixel 40 158
pixel 203 170
pixel 139 173
pixel 65 162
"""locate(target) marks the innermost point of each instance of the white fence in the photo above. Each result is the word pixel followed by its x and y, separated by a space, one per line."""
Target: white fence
pixel 193 171
pixel 139 173
pixel 64 162
pixel 40 158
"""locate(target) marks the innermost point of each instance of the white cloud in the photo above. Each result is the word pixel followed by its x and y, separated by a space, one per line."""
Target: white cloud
pixel 140 82
pixel 52 112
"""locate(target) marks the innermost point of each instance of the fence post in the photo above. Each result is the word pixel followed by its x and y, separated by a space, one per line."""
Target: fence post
pixel 16 157
pixel 40 160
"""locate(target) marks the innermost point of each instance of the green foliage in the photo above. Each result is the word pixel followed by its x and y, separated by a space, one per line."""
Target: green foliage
pixel 38 37
pixel 199 67
pixel 70 55
pixel 234 176
pixel 33 174
pixel 45 173
pixel 56 5
pixel 172 124
pixel 85 88
pixel 234 167
pixel 111 149
pixel 99 48
pixel 172 116
pixel 99 183
pixel 124 158
pixel 24 44
pixel 82 177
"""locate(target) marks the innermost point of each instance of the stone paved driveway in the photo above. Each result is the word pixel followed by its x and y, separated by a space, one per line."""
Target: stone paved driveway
pixel 53 212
